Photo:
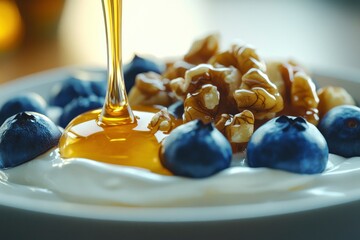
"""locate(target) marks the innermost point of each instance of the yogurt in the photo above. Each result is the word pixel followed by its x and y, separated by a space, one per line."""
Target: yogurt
pixel 85 181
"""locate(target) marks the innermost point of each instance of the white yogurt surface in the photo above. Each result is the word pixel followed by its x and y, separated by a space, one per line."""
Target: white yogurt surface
pixel 85 181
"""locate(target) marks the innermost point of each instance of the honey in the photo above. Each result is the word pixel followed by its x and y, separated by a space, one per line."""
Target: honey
pixel 114 134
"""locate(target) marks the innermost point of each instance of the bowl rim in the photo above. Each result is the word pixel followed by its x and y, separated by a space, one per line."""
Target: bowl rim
pixel 176 214
pixel 169 214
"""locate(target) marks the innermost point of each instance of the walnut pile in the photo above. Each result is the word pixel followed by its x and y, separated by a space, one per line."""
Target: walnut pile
pixel 235 89
pixel 144 94
pixel 229 88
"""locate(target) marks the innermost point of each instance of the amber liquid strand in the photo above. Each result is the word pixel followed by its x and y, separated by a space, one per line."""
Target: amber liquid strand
pixel 116 109
pixel 114 134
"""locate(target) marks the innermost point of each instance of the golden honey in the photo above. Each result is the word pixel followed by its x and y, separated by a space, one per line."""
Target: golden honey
pixel 114 134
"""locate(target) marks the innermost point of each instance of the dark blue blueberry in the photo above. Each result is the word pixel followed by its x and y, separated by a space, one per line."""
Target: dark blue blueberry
pixel 136 66
pixel 176 109
pixel 80 84
pixel 290 144
pixel 195 150
pixel 98 80
pixel 25 136
pixel 78 106
pixel 341 129
pixel 24 102
pixel 98 88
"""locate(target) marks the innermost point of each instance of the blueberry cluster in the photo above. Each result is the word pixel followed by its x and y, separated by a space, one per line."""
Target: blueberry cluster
pixel 86 90
pixel 294 145
pixel 285 143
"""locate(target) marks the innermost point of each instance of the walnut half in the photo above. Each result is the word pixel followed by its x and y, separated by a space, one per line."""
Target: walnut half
pixel 299 92
pixel 243 57
pixel 202 104
pixel 162 121
pixel 331 97
pixel 304 100
pixel 238 129
pixel 259 95
pixel 202 50
pixel 151 89
pixel 207 92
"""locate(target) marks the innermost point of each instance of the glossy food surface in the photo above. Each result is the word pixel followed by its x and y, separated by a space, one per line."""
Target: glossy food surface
pixel 128 145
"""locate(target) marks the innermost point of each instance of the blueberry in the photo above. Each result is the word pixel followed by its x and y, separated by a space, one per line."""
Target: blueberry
pixel 290 144
pixel 176 109
pixel 195 150
pixel 79 106
pixel 25 136
pixel 24 102
pixel 98 80
pixel 136 66
pixel 98 88
pixel 341 129
pixel 80 84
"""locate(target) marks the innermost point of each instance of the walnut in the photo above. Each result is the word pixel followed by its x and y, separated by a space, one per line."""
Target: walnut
pixel 331 97
pixel 282 75
pixel 177 69
pixel 259 95
pixel 299 94
pixel 202 104
pixel 288 71
pixel 162 121
pixel 222 122
pixel 207 92
pixel 237 129
pixel 242 57
pixel 151 89
pixel 202 50
pixel 241 127
pixel 273 70
pixel 304 100
pixel 225 79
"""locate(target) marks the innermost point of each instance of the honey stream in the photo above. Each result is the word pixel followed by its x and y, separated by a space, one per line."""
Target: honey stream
pixel 114 134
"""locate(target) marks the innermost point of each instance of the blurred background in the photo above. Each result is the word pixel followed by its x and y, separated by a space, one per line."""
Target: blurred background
pixel 37 35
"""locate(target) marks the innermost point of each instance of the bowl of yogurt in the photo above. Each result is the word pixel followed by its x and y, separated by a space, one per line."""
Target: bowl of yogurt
pixel 49 197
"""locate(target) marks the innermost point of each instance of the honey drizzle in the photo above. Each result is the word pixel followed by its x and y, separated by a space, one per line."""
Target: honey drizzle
pixel 114 134
pixel 116 109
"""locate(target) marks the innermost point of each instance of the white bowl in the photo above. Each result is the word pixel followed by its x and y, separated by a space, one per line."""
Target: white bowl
pixel 309 218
